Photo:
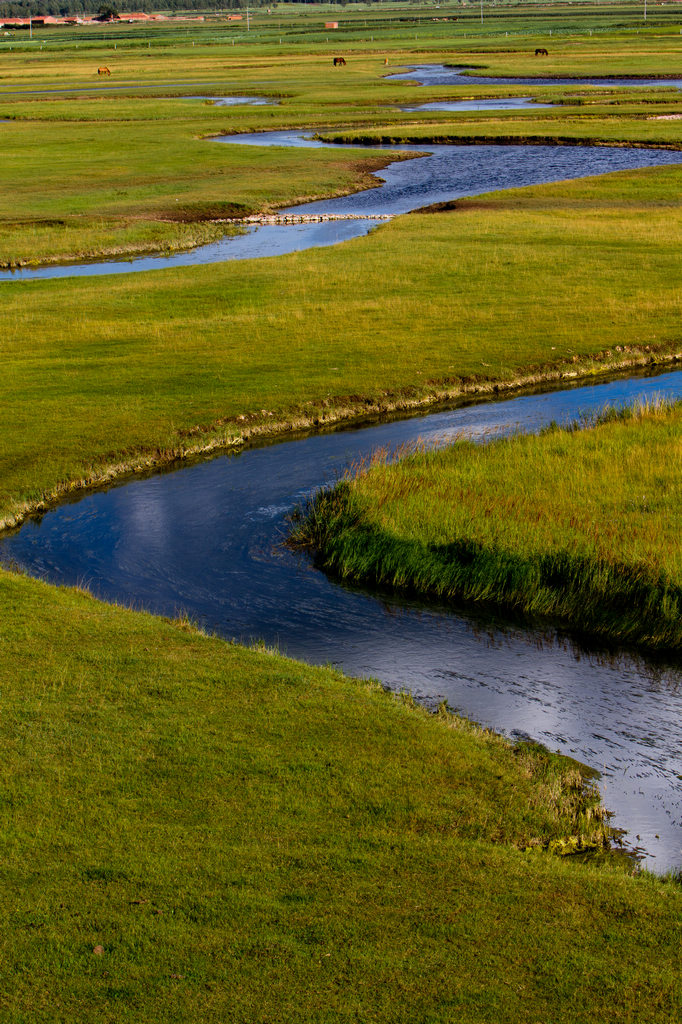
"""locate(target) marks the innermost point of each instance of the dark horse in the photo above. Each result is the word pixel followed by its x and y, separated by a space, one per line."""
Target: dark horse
pixel 541 52
pixel 339 62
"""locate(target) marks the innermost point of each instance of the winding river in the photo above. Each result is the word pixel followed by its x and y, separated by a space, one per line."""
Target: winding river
pixel 442 74
pixel 442 174
pixel 207 541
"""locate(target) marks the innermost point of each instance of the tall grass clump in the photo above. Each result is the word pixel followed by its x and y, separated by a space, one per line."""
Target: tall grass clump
pixel 581 526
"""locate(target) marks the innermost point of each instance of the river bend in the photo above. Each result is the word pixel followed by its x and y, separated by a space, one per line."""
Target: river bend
pixel 445 173
pixel 207 541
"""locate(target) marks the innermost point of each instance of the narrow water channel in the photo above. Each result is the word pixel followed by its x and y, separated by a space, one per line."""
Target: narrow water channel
pixel 236 101
pixel 445 173
pixel 501 103
pixel 442 74
pixel 207 541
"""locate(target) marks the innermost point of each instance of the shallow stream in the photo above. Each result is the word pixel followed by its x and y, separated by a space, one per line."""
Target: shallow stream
pixel 207 541
pixel 445 173
pixel 501 103
pixel 441 74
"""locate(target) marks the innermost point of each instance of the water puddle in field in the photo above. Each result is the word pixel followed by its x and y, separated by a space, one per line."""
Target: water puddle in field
pixel 235 101
pixel 502 103
pixel 445 173
pixel 207 540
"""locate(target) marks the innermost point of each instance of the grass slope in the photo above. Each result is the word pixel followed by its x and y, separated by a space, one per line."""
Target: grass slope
pixel 241 838
pixel 248 838
pixel 526 523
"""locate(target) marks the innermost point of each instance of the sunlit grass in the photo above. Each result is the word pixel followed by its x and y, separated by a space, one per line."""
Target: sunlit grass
pixel 194 831
pixel 580 525
pixel 135 146
pixel 429 304
pixel 240 837
pixel 85 238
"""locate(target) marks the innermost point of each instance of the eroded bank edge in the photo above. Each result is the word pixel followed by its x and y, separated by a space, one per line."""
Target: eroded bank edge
pixel 232 219
pixel 235 431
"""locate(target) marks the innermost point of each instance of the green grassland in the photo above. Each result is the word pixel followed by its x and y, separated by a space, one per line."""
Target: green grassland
pixel 250 839
pixel 526 523
pixel 145 368
pixel 79 175
pixel 122 164
pixel 240 837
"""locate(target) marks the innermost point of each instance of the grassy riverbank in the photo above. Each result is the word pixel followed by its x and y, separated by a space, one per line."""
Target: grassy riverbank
pixel 148 183
pixel 109 374
pixel 196 831
pixel 89 177
pixel 115 165
pixel 581 526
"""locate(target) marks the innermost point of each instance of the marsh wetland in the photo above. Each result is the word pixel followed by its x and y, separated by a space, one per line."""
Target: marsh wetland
pixel 212 584
pixel 236 787
pixel 445 174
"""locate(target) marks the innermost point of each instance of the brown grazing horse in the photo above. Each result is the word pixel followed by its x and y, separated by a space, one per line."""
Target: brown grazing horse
pixel 541 52
pixel 339 62
pixel 103 71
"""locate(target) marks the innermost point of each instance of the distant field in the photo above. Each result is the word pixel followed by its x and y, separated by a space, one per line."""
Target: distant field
pixel 117 371
pixel 121 164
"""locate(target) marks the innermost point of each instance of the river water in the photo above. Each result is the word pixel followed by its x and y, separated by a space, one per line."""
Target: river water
pixel 208 541
pixel 441 74
pixel 446 173
pixel 236 101
pixel 501 103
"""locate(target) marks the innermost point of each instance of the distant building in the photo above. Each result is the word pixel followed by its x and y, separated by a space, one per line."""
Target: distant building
pixel 331 24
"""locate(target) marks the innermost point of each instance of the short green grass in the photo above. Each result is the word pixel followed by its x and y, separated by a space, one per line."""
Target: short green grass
pixel 580 525
pixel 105 371
pixel 134 146
pixel 194 831
pixel 62 197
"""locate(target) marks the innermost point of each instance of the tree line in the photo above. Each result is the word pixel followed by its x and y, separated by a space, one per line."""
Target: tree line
pixel 83 8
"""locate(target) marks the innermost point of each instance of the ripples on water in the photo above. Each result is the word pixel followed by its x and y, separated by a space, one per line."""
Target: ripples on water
pixel 208 541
